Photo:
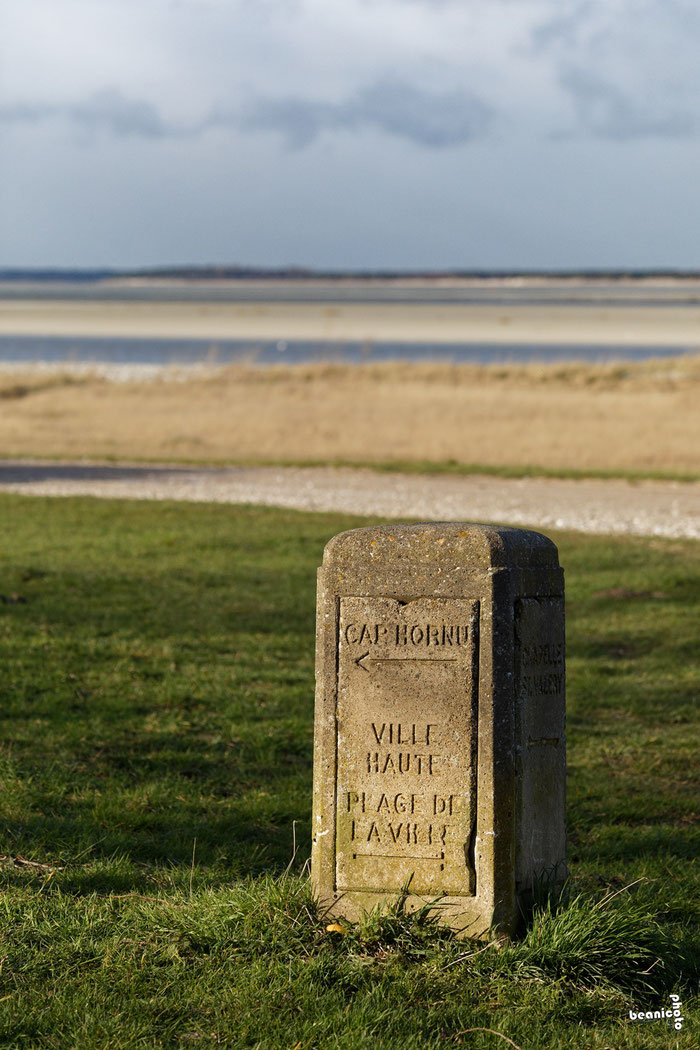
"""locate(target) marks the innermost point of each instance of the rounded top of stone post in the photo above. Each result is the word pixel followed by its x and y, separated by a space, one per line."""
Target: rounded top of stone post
pixel 437 542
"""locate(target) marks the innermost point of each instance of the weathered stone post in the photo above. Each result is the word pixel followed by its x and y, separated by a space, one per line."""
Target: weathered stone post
pixel 439 753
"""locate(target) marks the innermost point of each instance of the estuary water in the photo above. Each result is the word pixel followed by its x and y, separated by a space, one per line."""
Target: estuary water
pixel 82 350
pixel 22 302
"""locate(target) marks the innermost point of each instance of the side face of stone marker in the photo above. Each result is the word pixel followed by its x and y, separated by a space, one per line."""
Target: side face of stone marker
pixel 439 738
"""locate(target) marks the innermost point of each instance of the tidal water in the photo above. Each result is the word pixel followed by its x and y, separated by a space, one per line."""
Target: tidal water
pixel 498 293
pixel 79 350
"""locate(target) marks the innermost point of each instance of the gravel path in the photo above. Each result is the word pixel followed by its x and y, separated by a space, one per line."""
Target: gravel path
pixel 648 508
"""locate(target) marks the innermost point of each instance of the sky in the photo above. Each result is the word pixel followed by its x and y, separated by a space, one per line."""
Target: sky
pixel 350 134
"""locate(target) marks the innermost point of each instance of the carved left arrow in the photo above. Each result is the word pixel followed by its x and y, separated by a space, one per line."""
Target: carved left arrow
pixel 365 659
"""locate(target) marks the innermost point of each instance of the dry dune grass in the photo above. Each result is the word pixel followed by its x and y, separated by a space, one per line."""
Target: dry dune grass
pixel 619 418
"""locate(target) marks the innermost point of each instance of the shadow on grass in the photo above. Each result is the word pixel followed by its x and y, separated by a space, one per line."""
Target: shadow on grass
pixel 191 605
pixel 617 845
pixel 150 800
pixel 143 713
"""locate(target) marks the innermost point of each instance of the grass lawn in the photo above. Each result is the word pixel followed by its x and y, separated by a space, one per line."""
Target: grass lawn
pixel 155 773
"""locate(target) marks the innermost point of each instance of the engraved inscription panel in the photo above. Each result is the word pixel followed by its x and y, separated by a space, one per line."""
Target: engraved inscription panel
pixel 540 736
pixel 539 667
pixel 406 770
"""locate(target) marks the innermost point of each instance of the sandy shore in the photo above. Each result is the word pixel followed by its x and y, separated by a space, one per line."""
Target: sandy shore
pixel 671 325
pixel 646 509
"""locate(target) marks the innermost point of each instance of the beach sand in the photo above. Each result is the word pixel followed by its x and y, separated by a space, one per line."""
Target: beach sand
pixel 667 326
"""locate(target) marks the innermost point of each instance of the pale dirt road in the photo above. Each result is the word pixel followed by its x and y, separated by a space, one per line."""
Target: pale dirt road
pixel 646 508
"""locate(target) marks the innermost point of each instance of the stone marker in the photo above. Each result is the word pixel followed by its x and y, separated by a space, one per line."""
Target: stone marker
pixel 439 738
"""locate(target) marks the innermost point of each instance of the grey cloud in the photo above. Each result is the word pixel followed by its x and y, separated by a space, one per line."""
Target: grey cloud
pixel 430 119
pixel 300 120
pixel 107 110
pixel 440 3
pixel 605 110
pixel 427 118
pixel 27 112
pixel 686 11
pixel 563 28
pixel 592 26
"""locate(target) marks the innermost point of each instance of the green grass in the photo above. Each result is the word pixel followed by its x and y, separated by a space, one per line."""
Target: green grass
pixel 454 468
pixel 451 467
pixel 155 772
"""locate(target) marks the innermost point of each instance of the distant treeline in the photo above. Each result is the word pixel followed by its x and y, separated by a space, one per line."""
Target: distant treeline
pixel 296 273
